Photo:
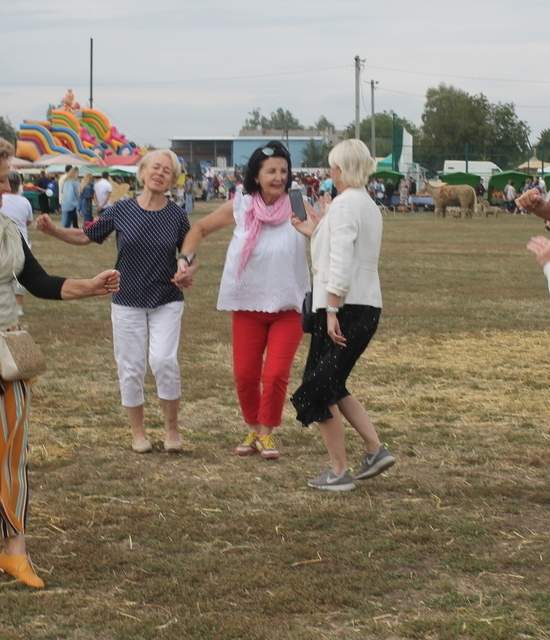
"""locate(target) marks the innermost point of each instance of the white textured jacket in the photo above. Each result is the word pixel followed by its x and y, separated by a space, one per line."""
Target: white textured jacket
pixel 345 248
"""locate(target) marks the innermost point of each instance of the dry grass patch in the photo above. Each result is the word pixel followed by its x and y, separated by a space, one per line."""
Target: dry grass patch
pixel 453 543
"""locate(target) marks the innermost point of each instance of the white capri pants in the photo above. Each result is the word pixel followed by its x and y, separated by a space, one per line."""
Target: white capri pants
pixel 135 329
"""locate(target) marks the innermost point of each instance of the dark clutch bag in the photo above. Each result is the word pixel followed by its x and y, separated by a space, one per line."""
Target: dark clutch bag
pixel 307 313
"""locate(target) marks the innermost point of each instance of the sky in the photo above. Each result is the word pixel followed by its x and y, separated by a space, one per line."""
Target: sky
pixel 175 68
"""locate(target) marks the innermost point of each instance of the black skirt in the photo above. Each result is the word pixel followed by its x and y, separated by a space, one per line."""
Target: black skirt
pixel 328 365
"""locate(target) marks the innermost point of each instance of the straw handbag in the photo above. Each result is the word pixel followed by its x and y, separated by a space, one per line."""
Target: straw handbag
pixel 20 357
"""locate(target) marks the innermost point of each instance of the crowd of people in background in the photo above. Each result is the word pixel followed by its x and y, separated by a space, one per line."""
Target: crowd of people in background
pixel 382 192
pixel 73 195
pixel 81 199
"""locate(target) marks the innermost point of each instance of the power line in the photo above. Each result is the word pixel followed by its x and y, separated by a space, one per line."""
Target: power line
pixel 453 75
pixel 423 97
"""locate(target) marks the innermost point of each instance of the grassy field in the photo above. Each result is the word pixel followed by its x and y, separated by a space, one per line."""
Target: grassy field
pixel 453 542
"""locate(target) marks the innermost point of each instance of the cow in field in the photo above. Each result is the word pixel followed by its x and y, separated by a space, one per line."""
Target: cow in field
pixel 448 195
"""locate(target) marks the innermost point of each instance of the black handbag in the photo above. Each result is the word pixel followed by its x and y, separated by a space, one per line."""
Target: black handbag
pixel 307 313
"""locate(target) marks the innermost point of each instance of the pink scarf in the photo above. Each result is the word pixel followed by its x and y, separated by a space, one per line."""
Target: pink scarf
pixel 258 214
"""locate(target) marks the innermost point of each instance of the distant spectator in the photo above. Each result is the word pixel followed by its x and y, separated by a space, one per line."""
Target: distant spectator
pixel 43 184
pixel 54 187
pixel 71 196
pixel 480 190
pixel 86 198
pixel 404 193
pixel 61 183
pixel 390 190
pixel 327 185
pixel 103 189
pixel 510 196
pixel 18 209
pixel 379 191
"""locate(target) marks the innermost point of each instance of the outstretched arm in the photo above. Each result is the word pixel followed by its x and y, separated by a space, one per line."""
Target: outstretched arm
pixel 43 285
pixel 221 217
pixel 218 219
pixel 105 283
pixel 72 236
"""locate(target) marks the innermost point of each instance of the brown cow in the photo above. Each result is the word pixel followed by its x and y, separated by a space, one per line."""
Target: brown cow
pixel 445 195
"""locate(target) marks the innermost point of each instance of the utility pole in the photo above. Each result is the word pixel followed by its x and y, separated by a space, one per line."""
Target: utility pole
pixel 91 73
pixel 373 83
pixel 394 160
pixel 357 95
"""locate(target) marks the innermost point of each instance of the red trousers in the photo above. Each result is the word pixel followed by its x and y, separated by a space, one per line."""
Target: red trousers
pixel 264 345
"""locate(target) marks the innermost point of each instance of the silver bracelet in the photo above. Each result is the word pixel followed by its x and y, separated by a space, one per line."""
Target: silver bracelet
pixel 332 309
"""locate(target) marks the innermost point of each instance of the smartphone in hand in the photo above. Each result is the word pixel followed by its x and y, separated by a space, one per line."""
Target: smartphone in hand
pixel 297 203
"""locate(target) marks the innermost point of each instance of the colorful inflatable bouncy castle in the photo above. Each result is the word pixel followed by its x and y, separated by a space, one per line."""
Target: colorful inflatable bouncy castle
pixel 83 132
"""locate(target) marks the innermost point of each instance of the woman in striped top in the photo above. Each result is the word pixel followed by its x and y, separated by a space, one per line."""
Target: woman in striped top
pixel 147 311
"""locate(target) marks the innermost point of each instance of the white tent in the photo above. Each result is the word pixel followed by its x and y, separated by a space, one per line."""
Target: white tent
pixel 20 163
pixel 61 159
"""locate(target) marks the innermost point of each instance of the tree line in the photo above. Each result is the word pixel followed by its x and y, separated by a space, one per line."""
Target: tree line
pixel 454 125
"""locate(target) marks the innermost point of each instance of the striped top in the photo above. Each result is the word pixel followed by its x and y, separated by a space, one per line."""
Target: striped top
pixel 147 243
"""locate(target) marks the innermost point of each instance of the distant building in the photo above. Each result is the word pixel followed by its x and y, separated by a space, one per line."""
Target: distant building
pixel 224 152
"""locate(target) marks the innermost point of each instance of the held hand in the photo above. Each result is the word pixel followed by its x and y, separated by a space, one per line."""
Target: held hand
pixel 105 283
pixel 540 247
pixel 183 278
pixel 182 282
pixel 45 224
pixel 532 201
pixel 333 330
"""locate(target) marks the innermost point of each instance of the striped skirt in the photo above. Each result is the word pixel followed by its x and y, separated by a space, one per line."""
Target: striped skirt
pixel 14 433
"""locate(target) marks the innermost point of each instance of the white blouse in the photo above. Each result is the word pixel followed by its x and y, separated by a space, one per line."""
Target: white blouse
pixel 276 277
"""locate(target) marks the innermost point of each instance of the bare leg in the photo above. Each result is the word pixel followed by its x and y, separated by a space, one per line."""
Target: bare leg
pixel 170 409
pixel 357 416
pixel 261 430
pixel 135 417
pixel 15 545
pixel 332 432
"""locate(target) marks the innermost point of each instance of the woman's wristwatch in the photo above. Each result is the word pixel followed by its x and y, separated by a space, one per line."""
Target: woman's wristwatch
pixel 332 309
pixel 188 258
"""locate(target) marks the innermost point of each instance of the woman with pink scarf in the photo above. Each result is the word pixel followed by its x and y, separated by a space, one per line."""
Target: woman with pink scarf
pixel 264 281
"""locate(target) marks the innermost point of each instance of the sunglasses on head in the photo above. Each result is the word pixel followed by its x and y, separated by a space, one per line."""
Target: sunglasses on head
pixel 269 151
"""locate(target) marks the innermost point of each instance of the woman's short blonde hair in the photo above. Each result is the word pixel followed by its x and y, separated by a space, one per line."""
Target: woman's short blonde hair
pixel 354 160
pixel 148 158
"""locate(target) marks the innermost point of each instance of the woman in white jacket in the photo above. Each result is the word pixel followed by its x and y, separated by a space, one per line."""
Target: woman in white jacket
pixel 347 301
